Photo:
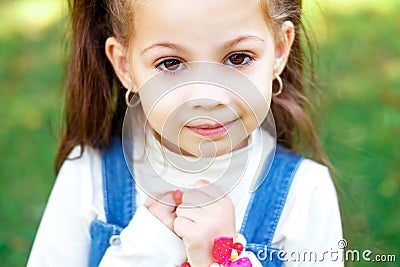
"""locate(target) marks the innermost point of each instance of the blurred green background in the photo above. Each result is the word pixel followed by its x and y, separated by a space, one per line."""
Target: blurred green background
pixel 358 69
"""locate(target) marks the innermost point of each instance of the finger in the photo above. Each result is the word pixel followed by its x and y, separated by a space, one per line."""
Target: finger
pixel 152 200
pixel 167 202
pixel 162 205
pixel 201 182
pixel 195 198
pixel 191 213
pixel 149 202
pixel 210 189
pixel 182 226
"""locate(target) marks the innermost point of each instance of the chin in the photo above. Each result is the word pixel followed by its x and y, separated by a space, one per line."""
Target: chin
pixel 216 148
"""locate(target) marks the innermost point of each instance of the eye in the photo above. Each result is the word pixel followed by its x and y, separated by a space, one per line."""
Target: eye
pixel 238 59
pixel 171 65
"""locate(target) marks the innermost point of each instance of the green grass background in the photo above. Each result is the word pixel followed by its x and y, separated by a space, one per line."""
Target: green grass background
pixel 358 70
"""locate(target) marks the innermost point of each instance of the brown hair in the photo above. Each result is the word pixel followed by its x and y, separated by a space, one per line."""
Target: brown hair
pixel 95 105
pixel 291 109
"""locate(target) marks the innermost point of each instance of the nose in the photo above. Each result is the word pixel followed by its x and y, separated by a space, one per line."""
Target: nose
pixel 208 97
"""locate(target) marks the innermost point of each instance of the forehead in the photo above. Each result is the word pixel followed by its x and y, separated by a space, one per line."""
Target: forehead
pixel 198 20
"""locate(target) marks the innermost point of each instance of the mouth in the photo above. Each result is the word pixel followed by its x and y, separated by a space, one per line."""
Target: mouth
pixel 211 129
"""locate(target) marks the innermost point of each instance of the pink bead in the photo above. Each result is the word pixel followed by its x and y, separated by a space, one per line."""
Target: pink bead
pixel 185 264
pixel 238 247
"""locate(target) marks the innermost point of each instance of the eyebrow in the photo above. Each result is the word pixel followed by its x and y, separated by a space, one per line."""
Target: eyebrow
pixel 243 39
pixel 177 47
pixel 169 45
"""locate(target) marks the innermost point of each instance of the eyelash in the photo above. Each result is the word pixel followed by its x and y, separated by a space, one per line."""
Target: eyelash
pixel 173 72
pixel 247 56
pixel 250 59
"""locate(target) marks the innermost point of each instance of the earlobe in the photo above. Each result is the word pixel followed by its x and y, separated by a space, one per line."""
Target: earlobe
pixel 283 47
pixel 115 52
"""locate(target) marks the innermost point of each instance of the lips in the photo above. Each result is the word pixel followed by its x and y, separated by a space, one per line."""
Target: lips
pixel 210 129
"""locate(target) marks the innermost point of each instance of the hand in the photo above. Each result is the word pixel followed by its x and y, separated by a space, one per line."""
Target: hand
pixel 163 211
pixel 198 226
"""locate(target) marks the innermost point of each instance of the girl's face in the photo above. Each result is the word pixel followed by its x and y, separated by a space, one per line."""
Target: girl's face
pixel 169 33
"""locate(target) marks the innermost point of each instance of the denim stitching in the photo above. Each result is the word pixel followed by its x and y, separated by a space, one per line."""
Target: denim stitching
pixel 105 185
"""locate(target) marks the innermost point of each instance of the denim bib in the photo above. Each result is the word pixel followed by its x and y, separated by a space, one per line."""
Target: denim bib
pixel 259 223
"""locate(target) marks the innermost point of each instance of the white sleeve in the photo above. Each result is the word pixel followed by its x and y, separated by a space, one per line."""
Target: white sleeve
pixel 63 237
pixel 310 225
pixel 146 241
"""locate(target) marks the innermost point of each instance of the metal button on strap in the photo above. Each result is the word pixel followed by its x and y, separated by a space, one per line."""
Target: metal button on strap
pixel 115 240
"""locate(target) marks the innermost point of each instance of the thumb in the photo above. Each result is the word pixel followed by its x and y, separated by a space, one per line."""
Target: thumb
pixel 164 203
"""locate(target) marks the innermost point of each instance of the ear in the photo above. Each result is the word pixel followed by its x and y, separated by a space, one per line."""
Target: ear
pixel 282 50
pixel 116 53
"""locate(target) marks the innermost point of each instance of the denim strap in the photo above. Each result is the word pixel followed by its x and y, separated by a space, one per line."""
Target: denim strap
pixel 118 186
pixel 267 202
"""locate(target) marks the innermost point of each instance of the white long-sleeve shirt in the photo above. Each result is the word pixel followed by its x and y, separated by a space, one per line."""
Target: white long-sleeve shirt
pixel 310 220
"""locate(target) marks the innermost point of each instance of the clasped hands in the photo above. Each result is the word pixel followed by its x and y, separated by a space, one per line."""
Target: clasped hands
pixel 197 225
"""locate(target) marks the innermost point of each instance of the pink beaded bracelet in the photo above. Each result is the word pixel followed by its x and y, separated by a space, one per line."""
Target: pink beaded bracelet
pixel 226 251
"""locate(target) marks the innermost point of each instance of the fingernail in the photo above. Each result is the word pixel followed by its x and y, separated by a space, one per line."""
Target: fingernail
pixel 177 196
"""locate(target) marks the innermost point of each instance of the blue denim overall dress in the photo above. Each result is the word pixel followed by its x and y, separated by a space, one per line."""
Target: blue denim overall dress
pixel 259 224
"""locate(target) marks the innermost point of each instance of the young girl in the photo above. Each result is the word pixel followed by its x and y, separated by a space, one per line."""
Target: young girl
pixel 282 210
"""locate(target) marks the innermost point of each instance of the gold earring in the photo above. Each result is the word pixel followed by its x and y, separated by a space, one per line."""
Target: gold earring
pixel 128 102
pixel 278 78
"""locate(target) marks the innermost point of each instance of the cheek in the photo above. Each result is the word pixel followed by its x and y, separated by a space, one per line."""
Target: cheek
pixel 264 85
pixel 157 118
pixel 162 113
pixel 261 74
pixel 263 81
pixel 259 103
pixel 156 113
